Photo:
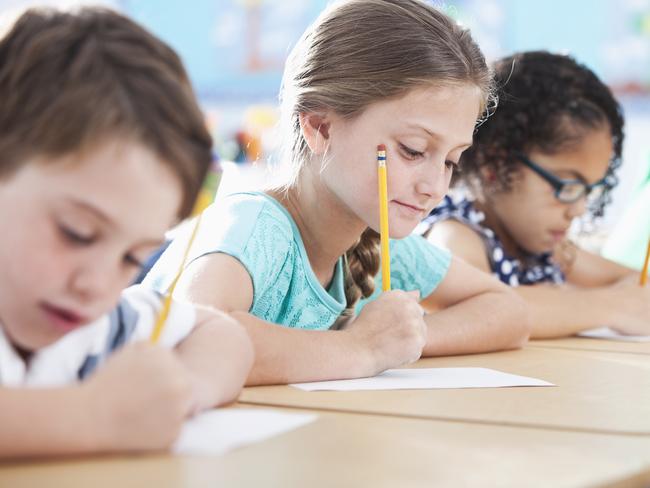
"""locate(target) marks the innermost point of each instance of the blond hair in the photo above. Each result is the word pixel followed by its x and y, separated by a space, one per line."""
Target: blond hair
pixel 359 52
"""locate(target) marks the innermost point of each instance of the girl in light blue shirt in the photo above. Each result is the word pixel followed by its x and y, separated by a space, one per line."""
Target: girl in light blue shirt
pixel 299 264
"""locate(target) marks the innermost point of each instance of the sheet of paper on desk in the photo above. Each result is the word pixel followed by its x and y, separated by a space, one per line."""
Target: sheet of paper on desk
pixel 427 378
pixel 607 333
pixel 221 430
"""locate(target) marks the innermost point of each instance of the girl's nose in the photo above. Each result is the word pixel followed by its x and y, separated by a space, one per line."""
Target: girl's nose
pixel 577 208
pixel 434 183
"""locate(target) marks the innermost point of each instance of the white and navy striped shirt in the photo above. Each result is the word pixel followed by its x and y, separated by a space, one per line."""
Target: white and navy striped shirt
pixel 77 354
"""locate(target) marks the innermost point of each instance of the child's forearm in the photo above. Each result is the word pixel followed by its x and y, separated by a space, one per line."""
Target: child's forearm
pixel 558 311
pixel 284 355
pixel 490 321
pixel 219 355
pixel 45 422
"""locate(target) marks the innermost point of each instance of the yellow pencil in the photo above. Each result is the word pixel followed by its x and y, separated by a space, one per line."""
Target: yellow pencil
pixel 383 217
pixel 644 271
pixel 164 312
pixel 203 200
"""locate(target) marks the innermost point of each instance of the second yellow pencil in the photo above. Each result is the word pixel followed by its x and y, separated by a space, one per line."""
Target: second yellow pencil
pixel 644 271
pixel 203 201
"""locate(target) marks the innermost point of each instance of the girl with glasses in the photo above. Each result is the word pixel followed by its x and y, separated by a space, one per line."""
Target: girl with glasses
pixel 546 157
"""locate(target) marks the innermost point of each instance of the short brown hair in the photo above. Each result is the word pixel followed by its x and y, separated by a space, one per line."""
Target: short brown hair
pixel 71 80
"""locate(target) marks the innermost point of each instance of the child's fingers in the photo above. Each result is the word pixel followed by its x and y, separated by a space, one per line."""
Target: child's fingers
pixel 415 294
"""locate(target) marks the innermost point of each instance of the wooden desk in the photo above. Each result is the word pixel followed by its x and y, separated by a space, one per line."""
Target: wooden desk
pixel 347 450
pixel 639 361
pixel 592 394
pixel 600 345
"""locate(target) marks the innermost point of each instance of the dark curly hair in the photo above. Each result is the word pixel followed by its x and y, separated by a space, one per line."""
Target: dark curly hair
pixel 546 102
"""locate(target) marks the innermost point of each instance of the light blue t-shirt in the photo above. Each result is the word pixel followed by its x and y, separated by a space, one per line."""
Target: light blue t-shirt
pixel 260 233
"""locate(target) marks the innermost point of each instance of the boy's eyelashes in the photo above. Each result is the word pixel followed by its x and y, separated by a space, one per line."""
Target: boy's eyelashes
pixel 81 239
pixel 133 261
pixel 76 237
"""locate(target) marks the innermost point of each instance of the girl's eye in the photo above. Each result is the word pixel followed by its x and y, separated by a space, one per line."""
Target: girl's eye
pixel 410 153
pixel 452 165
pixel 76 237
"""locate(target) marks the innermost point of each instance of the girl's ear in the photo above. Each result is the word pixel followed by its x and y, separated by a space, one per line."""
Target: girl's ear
pixel 487 184
pixel 488 175
pixel 315 129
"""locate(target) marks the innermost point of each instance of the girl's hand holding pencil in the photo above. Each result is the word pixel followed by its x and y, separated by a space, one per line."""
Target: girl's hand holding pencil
pixel 391 329
pixel 646 263
pixel 628 306
pixel 629 301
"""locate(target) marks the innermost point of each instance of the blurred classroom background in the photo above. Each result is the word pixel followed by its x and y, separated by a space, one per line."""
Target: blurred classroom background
pixel 235 50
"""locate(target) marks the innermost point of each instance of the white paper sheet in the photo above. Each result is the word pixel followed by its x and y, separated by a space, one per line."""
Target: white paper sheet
pixel 607 333
pixel 427 378
pixel 218 431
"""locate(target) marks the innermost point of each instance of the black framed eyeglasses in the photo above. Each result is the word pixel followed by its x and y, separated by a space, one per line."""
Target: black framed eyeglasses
pixel 567 190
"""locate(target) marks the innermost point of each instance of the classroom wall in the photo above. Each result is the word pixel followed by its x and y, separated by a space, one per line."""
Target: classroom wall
pixel 235 49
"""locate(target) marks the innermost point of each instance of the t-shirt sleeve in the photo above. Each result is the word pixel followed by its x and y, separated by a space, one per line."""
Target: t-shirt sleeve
pixel 244 226
pixel 415 264
pixel 138 312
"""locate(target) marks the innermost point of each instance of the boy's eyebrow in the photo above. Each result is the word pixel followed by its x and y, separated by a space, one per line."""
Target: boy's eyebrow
pixel 436 136
pixel 92 209
pixel 154 241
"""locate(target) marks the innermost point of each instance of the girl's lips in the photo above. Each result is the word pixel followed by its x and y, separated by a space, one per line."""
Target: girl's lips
pixel 62 318
pixel 409 208
pixel 558 235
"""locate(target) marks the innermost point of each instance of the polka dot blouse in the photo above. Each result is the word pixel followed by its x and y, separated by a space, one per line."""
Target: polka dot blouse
pixel 533 269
